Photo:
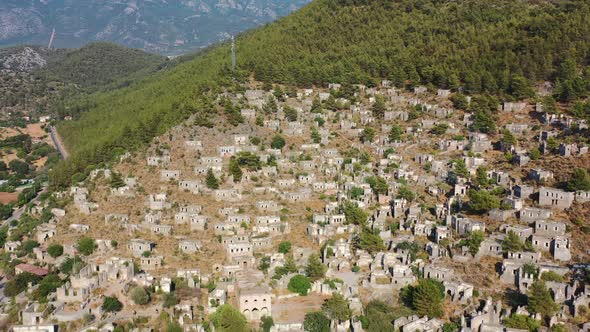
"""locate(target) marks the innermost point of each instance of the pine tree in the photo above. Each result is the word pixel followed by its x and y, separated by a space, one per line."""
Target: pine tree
pixel 315 270
pixel 234 170
pixel 540 300
pixel 428 297
pixel 379 107
pixel 211 181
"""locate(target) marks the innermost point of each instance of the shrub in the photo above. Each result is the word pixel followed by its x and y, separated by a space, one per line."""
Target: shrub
pixel 111 304
pixel 140 296
pixel 86 246
pixel 299 284
pixel 55 250
pixel 284 247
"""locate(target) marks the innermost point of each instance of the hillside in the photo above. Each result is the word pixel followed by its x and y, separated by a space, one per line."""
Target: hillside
pixel 32 77
pixel 99 64
pixel 499 47
pixel 164 27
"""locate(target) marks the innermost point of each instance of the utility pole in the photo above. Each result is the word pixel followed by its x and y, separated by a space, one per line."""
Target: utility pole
pixel 233 53
pixel 51 39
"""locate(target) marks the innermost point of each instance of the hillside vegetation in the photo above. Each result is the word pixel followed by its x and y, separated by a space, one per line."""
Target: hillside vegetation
pixel 34 80
pixel 99 64
pixel 499 47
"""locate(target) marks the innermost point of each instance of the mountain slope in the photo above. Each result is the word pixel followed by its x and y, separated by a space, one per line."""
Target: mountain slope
pixel 159 26
pixel 99 64
pixel 31 76
pixel 495 47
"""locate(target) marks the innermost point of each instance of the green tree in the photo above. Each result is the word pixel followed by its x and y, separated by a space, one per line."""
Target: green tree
pixel 284 247
pixel 379 107
pixel 290 113
pixel 140 296
pixel 380 316
pixel 86 246
pixel 439 129
pixel 540 300
pixel 552 276
pixel 368 135
pixel 512 243
pixel 315 136
pixel 19 283
pixel 481 177
pixel 395 133
pixel 316 322
pixel 234 170
pixel 535 154
pixel 270 106
pixel 406 193
pixel 459 101
pixel 116 180
pixel 482 201
pixel 473 241
pixel 111 304
pixel 427 298
pixel 508 138
pixel 228 319
pixel 368 240
pixel 266 323
pixel 170 300
pixel 299 284
pixel 460 168
pixel 211 181
pixel 522 322
pixel 315 269
pixel 278 142
pixel 520 87
pixel 336 308
pixel 55 250
pixel 378 184
pixel 580 180
pixel 354 214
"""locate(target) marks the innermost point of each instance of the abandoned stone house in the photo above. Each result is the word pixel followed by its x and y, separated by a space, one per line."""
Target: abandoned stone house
pixel 169 175
pixel 46 232
pixel 11 246
pixel 544 227
pixel 160 229
pixel 227 195
pixel 529 214
pixel 255 303
pixel 464 225
pixel 139 246
pixel 158 160
pixel 540 175
pixel 189 246
pixel 513 106
pixel 116 218
pixel 227 151
pixel 192 186
pixel 152 218
pixel 193 145
pixel 151 262
pixel 158 202
pixel 555 198
pixel 198 222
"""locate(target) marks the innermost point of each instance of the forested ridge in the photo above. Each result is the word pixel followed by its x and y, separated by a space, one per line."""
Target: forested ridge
pixel 499 47
pixel 99 64
pixel 34 80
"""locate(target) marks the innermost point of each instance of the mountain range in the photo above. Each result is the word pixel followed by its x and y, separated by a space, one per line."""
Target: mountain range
pixel 168 27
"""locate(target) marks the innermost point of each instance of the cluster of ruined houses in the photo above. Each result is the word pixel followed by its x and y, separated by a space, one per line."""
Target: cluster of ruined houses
pixel 316 168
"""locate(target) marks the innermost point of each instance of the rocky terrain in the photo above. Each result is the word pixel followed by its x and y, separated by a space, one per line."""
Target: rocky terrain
pixel 165 27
